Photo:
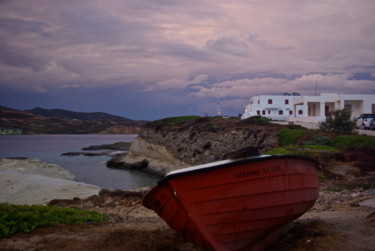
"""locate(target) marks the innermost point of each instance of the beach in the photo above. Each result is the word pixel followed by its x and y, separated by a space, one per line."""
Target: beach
pixel 32 181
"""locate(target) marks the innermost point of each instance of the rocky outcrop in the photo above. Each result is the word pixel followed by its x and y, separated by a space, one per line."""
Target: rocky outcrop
pixel 32 181
pixel 170 147
pixel 112 150
pixel 159 158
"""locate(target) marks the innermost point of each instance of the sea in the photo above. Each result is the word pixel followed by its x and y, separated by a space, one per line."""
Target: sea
pixel 91 170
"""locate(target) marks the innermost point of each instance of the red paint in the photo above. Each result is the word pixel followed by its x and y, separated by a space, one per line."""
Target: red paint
pixel 235 205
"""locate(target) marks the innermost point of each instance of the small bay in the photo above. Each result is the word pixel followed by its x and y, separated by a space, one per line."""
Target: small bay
pixel 86 169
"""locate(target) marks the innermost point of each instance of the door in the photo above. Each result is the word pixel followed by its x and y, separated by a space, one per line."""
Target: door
pixel 326 110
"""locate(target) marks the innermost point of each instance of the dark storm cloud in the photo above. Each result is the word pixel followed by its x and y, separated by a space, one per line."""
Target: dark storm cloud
pixel 191 51
pixel 21 58
pixel 15 26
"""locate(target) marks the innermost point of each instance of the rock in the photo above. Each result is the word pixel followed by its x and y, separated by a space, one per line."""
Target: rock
pixel 118 164
pixel 35 166
pixel 32 181
pixel 368 203
pixel 89 154
pixel 171 147
pixel 118 146
pixel 241 153
pixel 159 160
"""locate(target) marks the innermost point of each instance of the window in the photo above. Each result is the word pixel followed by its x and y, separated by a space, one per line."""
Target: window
pixel 290 112
pixel 287 101
pixel 258 112
pixel 263 112
pixel 269 111
pixel 270 101
pixel 300 112
pixel 280 112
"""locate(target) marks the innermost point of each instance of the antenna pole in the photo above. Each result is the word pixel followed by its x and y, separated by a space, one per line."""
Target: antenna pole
pixel 218 107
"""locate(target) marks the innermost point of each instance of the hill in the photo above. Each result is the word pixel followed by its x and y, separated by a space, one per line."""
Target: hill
pixel 65 114
pixel 59 121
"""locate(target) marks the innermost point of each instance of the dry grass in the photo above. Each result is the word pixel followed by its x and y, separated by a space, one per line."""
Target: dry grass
pixel 309 236
pixel 144 240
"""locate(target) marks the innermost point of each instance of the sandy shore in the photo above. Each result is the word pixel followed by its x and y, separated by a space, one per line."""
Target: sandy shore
pixel 32 181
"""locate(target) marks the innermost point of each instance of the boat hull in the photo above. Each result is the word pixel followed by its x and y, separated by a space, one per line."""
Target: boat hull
pixel 234 204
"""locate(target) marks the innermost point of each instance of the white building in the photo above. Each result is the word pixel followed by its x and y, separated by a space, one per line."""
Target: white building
pixel 292 107
pixel 274 107
pixel 316 108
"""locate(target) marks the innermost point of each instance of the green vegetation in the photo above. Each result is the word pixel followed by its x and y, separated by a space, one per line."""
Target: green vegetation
pixel 322 176
pixel 319 139
pixel 258 120
pixel 301 149
pixel 175 120
pixel 300 141
pixel 353 140
pixel 290 136
pixel 14 218
pixel 329 146
pixel 338 121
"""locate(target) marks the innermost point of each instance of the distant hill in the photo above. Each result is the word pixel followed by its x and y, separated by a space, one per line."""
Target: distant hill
pixel 65 114
pixel 60 121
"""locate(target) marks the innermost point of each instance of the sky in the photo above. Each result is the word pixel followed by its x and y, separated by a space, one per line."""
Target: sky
pixel 151 59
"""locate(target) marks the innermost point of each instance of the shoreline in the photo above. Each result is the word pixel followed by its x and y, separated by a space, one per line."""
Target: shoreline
pixel 32 181
pixel 339 219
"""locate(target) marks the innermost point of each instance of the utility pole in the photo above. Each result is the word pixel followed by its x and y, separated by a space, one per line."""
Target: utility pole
pixel 219 112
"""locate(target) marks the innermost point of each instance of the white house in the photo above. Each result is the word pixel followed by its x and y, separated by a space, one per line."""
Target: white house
pixel 274 107
pixel 293 107
pixel 316 108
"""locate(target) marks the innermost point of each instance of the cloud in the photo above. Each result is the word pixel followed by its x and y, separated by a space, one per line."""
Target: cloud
pixel 177 83
pixel 39 89
pixel 195 48
pixel 230 45
pixel 306 84
pixel 10 55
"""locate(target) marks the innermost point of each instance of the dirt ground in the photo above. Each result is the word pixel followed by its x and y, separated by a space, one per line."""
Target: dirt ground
pixel 336 222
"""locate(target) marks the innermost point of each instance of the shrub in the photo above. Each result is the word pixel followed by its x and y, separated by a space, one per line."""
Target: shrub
pixel 279 150
pixel 338 121
pixel 319 139
pixel 353 140
pixel 14 218
pixel 290 136
pixel 259 120
pixel 173 120
pixel 295 127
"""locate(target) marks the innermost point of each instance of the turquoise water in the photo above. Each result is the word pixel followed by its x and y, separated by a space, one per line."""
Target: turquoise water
pixel 90 170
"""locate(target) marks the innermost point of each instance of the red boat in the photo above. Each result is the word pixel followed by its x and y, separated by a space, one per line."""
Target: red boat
pixel 236 204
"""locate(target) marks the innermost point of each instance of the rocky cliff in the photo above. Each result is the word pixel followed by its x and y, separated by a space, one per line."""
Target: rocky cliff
pixel 165 147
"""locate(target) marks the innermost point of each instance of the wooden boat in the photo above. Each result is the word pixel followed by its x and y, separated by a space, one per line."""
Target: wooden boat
pixel 236 204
